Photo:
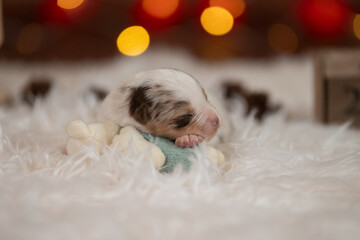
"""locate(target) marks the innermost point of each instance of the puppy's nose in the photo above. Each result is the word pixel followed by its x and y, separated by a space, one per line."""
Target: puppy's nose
pixel 216 123
pixel 213 120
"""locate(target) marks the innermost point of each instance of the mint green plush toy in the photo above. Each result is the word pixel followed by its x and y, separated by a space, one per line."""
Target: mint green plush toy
pixel 174 155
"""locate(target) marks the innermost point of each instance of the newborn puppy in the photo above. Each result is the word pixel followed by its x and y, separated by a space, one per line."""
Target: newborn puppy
pixel 163 102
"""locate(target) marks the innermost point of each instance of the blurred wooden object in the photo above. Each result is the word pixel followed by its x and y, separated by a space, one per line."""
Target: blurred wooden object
pixel 337 86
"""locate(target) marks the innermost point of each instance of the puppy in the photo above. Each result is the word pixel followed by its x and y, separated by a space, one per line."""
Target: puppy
pixel 163 102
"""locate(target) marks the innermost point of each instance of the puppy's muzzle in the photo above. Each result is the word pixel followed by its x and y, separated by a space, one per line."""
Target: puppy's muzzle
pixel 211 125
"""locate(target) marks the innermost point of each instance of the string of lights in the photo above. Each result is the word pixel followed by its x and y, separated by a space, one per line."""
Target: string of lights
pixel 228 22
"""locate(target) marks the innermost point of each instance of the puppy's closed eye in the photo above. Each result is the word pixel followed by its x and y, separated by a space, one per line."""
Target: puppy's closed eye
pixel 183 120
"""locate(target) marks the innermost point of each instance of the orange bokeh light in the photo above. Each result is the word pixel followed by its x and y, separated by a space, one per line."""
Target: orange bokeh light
pixel 217 21
pixel 356 26
pixel 160 8
pixel 69 4
pixel 235 7
pixel 133 41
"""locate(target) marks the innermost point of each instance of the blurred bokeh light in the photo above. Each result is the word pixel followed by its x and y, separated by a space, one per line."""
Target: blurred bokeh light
pixel 157 15
pixel 235 7
pixel 88 29
pixel 133 41
pixel 282 38
pixel 160 8
pixel 216 21
pixel 69 4
pixel 324 18
pixel 356 26
pixel 29 38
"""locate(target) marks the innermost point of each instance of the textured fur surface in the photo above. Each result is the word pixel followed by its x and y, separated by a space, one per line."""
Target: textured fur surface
pixel 288 178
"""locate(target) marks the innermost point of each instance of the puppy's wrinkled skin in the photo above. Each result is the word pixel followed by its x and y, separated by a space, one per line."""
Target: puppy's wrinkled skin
pixel 163 102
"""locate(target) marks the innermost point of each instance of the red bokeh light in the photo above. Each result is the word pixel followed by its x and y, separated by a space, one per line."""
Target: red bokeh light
pixel 324 18
pixel 152 22
pixel 50 12
pixel 160 8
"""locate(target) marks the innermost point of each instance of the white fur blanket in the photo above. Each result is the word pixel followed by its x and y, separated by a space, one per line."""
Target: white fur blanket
pixel 288 178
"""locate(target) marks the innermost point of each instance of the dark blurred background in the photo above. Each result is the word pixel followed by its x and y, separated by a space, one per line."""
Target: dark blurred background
pixel 42 30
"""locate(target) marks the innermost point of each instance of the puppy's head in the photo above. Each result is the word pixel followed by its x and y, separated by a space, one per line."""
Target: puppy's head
pixel 170 103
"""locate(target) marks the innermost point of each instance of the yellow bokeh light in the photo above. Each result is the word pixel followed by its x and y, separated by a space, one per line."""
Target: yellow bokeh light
pixel 160 8
pixel 235 7
pixel 356 26
pixel 69 4
pixel 133 41
pixel 216 20
pixel 282 38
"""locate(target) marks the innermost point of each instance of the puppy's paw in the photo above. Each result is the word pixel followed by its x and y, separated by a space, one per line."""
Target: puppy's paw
pixel 188 141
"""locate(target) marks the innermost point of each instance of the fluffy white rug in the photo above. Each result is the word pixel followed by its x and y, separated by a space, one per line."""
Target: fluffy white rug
pixel 288 178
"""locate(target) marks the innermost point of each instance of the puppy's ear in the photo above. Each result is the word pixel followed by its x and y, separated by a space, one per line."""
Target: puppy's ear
pixel 140 104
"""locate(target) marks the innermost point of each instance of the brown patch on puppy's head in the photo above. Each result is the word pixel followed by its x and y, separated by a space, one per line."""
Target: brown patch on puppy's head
pixel 140 105
pixel 161 112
